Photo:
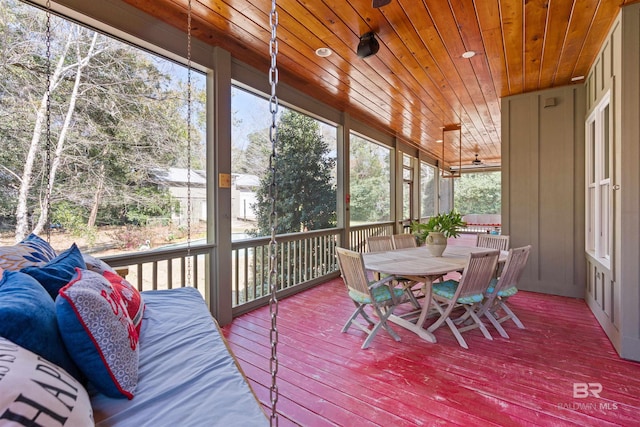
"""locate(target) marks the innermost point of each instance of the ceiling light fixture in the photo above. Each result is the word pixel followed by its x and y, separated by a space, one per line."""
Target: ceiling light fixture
pixel 577 78
pixel 323 52
pixel 468 54
pixel 368 45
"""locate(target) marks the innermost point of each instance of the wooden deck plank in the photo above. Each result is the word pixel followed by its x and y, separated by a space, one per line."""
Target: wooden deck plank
pixel 381 391
pixel 326 379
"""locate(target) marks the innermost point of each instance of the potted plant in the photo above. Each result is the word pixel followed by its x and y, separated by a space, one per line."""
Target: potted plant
pixel 437 229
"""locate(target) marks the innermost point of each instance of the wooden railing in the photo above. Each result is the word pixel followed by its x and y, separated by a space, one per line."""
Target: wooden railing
pixel 165 268
pixel 304 260
pixel 358 234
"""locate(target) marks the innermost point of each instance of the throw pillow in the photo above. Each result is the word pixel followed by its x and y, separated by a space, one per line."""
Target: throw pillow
pixel 130 296
pixel 28 318
pixel 31 251
pixel 59 271
pixel 99 333
pixel 36 392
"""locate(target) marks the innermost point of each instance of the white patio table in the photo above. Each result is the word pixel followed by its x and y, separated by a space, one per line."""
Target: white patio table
pixel 419 265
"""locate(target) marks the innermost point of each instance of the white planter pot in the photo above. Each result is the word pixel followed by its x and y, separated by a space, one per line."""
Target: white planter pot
pixel 436 243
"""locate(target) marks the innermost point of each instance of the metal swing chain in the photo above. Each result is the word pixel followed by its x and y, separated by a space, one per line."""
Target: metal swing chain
pixel 48 125
pixel 189 144
pixel 273 245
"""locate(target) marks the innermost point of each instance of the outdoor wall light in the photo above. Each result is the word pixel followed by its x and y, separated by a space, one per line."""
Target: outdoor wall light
pixel 368 45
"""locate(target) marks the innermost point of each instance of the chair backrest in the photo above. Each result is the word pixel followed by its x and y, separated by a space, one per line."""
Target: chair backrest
pixel 513 269
pixel 352 269
pixel 401 241
pixel 491 241
pixel 379 243
pixel 478 273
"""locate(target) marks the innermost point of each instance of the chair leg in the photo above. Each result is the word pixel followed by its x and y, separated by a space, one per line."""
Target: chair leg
pixel 412 298
pixel 478 321
pixel 347 325
pixel 363 313
pixel 383 316
pixel 444 315
pixel 456 333
pixel 474 320
pixel 381 324
pixel 366 317
pixel 462 319
pixel 496 324
pixel 511 315
pixel 470 312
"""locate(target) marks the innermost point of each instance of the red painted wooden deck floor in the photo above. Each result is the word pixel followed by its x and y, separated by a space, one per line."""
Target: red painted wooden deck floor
pixel 325 378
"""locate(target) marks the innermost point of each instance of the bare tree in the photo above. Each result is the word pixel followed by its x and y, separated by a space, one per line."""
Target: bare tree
pixel 22 221
pixel 82 62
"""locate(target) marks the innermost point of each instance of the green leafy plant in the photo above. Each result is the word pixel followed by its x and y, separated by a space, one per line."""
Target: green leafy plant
pixel 448 224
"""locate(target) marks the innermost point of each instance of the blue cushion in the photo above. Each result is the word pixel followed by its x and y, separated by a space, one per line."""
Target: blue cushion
pixel 28 318
pixel 448 288
pixel 99 333
pixel 31 251
pixel 505 293
pixel 56 273
pixel 381 294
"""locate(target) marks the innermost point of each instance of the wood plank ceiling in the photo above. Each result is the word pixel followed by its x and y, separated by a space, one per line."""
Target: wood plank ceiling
pixel 418 82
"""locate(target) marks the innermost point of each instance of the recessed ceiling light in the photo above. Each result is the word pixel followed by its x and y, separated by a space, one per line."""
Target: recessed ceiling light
pixel 323 52
pixel 577 78
pixel 468 54
pixel 438 140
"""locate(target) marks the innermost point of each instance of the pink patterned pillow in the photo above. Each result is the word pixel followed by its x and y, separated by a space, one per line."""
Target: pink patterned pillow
pixel 130 295
pixel 99 334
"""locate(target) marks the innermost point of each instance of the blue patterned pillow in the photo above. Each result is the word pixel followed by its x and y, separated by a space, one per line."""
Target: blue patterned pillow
pixel 28 318
pixel 32 251
pixel 99 333
pixel 56 273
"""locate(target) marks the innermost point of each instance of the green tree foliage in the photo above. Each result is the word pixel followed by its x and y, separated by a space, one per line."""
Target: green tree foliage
pixel 127 123
pixel 428 190
pixel 369 191
pixel 255 157
pixel 478 193
pixel 306 195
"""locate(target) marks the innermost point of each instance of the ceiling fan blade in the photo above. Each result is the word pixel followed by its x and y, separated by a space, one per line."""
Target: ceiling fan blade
pixel 380 3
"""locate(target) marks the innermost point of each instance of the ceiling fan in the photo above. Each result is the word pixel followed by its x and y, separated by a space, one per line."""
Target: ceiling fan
pixel 476 161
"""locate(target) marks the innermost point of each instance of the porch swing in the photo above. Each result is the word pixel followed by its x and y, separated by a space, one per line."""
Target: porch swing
pixel 186 374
